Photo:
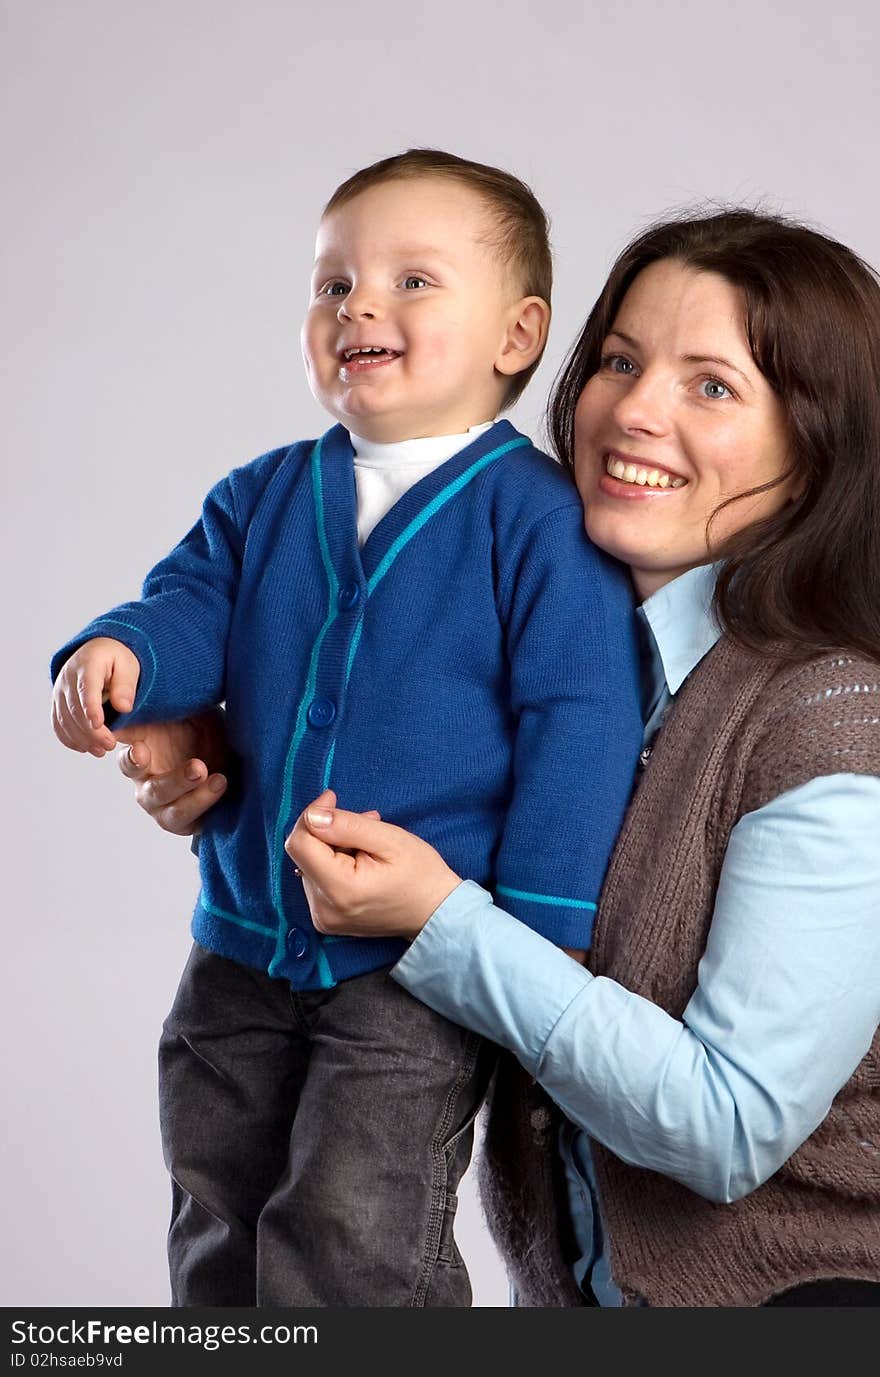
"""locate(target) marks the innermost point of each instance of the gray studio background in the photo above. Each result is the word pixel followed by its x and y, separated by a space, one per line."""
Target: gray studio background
pixel 164 165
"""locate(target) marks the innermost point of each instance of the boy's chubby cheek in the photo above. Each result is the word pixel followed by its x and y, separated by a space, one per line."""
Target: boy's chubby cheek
pixel 449 349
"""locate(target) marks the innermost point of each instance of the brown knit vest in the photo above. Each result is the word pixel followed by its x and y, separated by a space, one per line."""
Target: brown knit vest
pixel 743 729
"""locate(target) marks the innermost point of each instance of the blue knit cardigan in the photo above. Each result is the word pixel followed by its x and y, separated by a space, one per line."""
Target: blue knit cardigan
pixel 471 672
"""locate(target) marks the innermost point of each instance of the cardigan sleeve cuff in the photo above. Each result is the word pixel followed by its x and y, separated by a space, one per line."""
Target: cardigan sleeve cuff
pixel 138 642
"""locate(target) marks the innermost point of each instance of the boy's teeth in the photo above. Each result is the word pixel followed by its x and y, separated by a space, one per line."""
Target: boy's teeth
pixel 634 473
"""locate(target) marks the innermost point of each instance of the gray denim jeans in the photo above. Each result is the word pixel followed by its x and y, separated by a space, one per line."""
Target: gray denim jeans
pixel 315 1141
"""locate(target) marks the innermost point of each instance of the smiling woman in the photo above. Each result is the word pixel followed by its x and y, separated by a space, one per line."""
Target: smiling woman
pixel 741 352
pixel 711 1078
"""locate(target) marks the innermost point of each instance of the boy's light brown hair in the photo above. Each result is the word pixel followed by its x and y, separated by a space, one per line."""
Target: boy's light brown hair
pixel 522 230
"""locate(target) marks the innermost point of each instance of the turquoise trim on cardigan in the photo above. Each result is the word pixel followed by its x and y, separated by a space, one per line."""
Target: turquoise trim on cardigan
pixel 544 898
pixel 327 981
pixel 117 621
pixel 434 506
pixel 355 642
pixel 325 782
pixel 234 918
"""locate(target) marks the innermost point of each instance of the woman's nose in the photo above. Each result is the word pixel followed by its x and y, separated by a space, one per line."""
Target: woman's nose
pixel 644 406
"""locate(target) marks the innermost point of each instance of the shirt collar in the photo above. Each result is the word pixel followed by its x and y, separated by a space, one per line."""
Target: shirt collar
pixel 426 449
pixel 679 616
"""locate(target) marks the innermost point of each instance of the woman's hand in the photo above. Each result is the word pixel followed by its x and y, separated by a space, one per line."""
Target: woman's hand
pixel 174 766
pixel 364 877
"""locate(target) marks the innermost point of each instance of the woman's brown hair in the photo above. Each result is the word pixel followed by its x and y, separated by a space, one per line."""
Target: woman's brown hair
pixel 806 579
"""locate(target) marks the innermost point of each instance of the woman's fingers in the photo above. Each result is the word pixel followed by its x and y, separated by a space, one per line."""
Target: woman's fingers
pixel 134 760
pixel 350 831
pixel 365 877
pixel 177 798
pixel 322 848
pixel 162 791
pixel 323 864
pixel 184 815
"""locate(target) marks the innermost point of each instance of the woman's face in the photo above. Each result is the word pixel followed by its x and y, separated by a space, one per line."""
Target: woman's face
pixel 677 419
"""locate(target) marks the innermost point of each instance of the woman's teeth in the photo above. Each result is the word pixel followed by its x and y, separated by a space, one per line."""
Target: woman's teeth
pixel 646 478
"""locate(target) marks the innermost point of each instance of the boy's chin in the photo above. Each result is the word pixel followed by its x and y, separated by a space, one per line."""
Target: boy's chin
pixel 380 431
pixel 372 423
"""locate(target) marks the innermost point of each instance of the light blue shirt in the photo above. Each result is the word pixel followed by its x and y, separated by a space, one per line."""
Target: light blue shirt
pixel 786 1005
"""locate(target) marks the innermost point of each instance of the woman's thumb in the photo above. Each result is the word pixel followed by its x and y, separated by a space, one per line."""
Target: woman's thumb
pixel 347 831
pixel 320 812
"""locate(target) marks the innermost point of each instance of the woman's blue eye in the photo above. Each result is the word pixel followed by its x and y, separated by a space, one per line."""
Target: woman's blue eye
pixel 715 390
pixel 618 363
pixel 419 281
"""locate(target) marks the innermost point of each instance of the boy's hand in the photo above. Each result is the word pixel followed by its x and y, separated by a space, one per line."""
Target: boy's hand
pixel 101 670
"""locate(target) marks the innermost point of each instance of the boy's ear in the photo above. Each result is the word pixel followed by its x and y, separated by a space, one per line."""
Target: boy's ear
pixel 525 336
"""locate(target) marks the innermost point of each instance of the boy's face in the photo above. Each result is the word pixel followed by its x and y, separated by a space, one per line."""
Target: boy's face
pixel 408 268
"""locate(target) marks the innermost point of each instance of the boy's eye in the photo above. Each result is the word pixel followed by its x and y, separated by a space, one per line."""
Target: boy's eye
pixel 334 289
pixel 414 282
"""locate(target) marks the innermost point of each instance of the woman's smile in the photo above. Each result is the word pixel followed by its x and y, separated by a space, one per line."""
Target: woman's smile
pixel 624 472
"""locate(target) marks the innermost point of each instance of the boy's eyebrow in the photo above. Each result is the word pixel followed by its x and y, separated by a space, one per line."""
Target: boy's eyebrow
pixel 687 358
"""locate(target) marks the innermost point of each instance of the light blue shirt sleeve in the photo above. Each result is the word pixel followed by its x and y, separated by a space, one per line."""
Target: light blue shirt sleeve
pixel 787 1001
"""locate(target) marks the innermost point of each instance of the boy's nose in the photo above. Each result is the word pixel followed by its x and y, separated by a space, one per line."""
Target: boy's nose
pixel 347 313
pixel 358 305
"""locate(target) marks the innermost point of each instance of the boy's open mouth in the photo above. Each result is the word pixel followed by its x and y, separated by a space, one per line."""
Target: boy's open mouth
pixel 365 358
pixel 365 353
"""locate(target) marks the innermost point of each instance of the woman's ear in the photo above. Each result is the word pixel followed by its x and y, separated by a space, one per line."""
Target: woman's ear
pixel 525 335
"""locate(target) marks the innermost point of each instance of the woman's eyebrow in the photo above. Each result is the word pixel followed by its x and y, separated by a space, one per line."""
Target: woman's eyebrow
pixel 717 359
pixel 627 339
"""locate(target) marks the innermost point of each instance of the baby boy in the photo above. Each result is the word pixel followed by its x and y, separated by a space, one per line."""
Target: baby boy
pixel 406 610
